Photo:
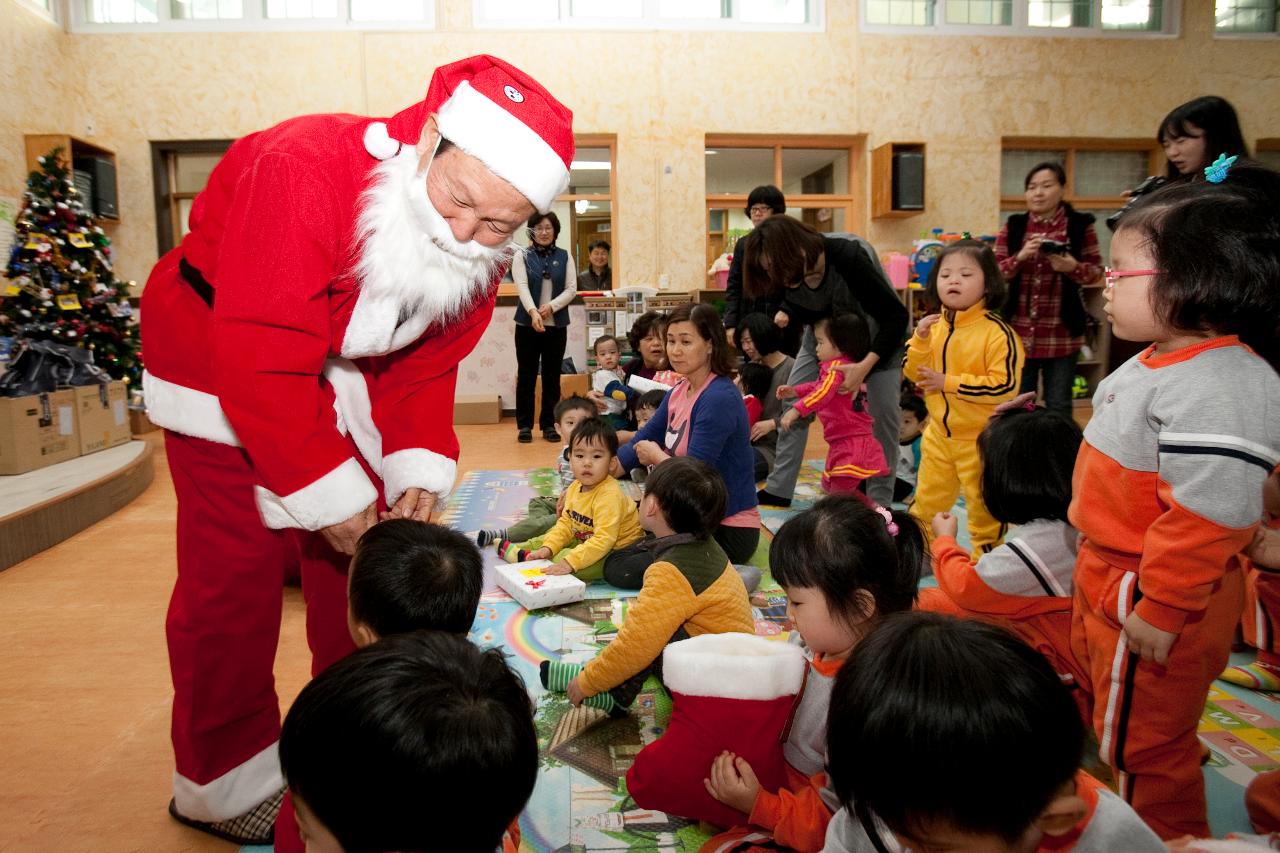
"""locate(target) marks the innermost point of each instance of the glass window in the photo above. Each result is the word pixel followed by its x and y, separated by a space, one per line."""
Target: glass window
pixel 191 171
pixel 302 9
pixel 1132 14
pixel 122 11
pixel 773 11
pixel 700 9
pixel 917 13
pixel 589 173
pixel 830 220
pixel 1245 16
pixel 1108 173
pixel 815 170
pixel 738 170
pixel 1015 163
pixel 1059 13
pixel 204 10
pixel 990 12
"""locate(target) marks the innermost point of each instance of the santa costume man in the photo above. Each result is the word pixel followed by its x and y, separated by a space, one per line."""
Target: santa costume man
pixel 302 347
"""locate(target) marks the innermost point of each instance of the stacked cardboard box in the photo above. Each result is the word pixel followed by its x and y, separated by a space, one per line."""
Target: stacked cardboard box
pixel 44 429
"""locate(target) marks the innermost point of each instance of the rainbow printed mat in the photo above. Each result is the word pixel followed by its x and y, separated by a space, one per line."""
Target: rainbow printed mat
pixel 580 802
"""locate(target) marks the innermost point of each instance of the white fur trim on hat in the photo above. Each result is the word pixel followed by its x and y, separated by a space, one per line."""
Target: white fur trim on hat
pixel 335 497
pixel 733 666
pixel 379 143
pixel 186 410
pixel 417 468
pixel 233 793
pixel 509 147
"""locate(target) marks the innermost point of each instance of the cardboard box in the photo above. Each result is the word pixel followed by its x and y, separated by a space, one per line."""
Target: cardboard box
pixel 139 423
pixel 37 431
pixel 534 590
pixel 477 409
pixel 104 417
pixel 570 384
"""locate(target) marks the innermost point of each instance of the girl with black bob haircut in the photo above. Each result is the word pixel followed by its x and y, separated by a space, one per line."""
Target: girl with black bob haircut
pixel 996 290
pixel 1028 456
pixel 951 734
pixel 760 332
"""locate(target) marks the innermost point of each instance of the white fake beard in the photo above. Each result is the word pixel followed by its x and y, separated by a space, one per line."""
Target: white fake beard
pixel 409 256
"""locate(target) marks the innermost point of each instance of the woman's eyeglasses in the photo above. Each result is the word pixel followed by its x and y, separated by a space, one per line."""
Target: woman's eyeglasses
pixel 1111 276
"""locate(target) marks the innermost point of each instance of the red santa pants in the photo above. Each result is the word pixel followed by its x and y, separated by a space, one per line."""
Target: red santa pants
pixel 224 624
pixel 1146 715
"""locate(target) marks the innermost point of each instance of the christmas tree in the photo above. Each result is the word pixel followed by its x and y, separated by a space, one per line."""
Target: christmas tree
pixel 61 286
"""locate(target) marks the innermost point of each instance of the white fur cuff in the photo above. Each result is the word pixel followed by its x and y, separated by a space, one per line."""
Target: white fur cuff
pixel 234 792
pixel 186 410
pixel 417 468
pixel 335 497
pixel 733 666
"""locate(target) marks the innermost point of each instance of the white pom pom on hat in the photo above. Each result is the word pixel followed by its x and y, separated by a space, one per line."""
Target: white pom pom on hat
pixel 379 143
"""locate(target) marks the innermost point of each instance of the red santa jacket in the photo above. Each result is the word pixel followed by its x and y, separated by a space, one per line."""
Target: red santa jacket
pixel 292 357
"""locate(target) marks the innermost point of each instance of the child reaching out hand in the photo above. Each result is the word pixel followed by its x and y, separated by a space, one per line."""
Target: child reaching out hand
pixel 844 566
pixel 597 517
pixel 853 452
pixel 966 360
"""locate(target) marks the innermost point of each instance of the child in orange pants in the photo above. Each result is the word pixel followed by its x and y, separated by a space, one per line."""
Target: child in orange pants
pixel 1168 484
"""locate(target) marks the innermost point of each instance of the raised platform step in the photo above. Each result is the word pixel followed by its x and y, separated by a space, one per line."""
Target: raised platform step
pixel 41 508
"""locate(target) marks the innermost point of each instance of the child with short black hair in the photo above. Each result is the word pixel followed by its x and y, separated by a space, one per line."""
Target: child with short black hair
pixel 966 360
pixel 948 734
pixel 1023 584
pixel 914 418
pixel 597 517
pixel 543 510
pixel 406 575
pixel 1168 483
pixel 414 719
pixel 844 566
pixel 690 589
pixel 611 381
pixel 409 575
pixel 646 404
pixel 753 380
pixel 853 452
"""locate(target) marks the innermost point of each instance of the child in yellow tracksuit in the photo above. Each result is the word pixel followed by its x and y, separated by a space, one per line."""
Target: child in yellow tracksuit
pixel 966 360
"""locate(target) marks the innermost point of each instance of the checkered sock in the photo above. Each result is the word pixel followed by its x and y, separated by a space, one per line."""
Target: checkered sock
pixel 555 676
pixel 511 552
pixel 485 538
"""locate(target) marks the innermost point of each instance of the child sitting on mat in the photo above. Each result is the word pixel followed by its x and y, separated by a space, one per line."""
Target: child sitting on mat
pixel 853 451
pixel 691 589
pixel 611 382
pixel 406 576
pixel 949 734
pixel 597 517
pixel 545 509
pixel 413 719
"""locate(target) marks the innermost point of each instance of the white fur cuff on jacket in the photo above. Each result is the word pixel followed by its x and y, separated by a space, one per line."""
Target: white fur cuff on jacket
pixel 417 468
pixel 335 497
pixel 733 666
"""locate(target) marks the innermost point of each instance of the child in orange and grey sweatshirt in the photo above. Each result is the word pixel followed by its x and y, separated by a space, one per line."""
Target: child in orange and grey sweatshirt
pixel 1168 483
pixel 1023 585
pixel 690 589
pixel 967 360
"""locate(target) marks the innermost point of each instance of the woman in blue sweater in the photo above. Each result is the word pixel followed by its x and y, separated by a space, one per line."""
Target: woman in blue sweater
pixel 704 417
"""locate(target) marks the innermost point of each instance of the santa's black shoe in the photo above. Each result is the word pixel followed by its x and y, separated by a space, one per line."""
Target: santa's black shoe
pixel 524 436
pixel 256 826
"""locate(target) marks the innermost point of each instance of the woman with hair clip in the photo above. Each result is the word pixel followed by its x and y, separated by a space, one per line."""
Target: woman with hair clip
pixel 546 283
pixel 817 276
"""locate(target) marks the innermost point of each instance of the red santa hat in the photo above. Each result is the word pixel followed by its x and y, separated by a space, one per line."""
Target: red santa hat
pixel 499 115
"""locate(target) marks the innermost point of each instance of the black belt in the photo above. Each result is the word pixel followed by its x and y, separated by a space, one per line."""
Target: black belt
pixel 196 281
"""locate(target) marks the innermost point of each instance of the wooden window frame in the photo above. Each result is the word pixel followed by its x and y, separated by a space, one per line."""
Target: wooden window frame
pixel 164 179
pixel 600 140
pixel 855 213
pixel 1070 145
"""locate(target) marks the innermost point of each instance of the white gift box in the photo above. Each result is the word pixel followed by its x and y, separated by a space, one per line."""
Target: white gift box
pixel 526 583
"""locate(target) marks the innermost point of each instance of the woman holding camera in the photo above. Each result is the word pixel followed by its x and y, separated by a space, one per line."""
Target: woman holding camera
pixel 1046 254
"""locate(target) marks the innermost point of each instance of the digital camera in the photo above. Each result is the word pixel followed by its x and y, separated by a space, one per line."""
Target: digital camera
pixel 1053 247
pixel 1151 184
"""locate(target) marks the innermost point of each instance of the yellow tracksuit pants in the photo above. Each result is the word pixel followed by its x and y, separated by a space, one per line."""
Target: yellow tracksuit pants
pixel 950 467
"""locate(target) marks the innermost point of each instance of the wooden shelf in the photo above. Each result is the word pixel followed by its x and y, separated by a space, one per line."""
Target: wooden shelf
pixel 40 144
pixel 882 183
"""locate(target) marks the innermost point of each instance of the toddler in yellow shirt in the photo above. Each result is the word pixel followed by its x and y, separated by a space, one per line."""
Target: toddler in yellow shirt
pixel 690 589
pixel 597 518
